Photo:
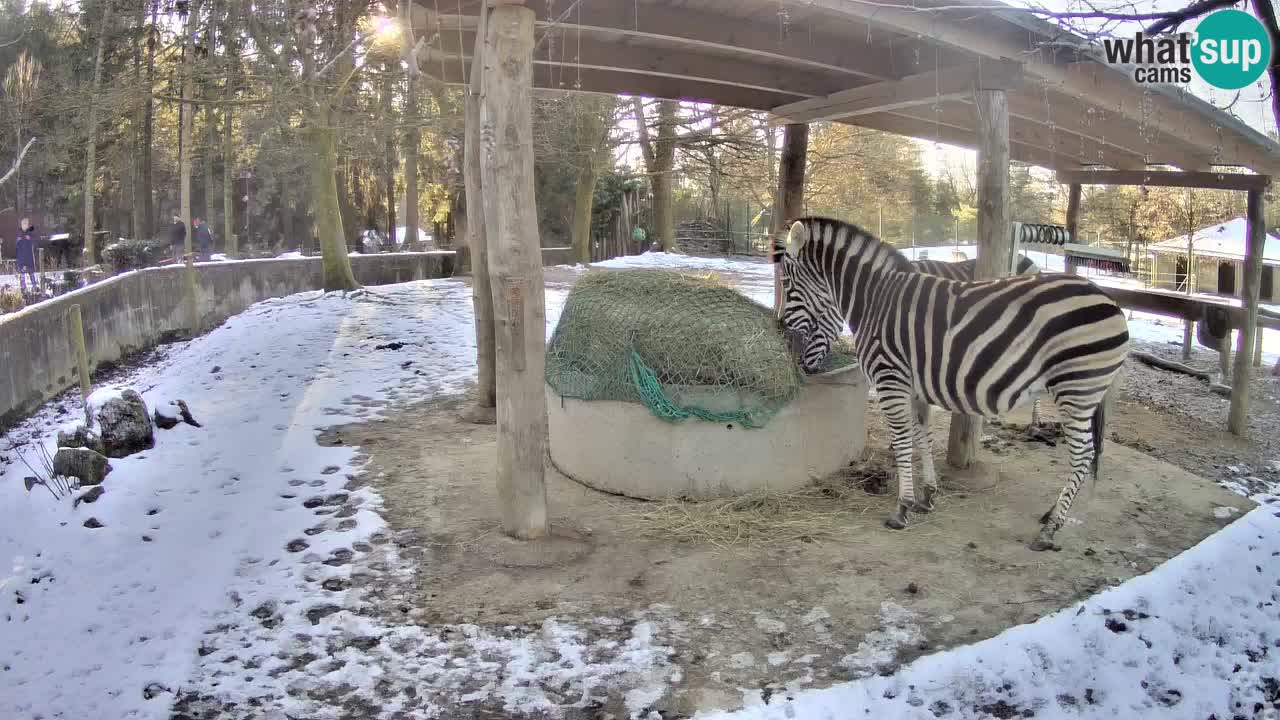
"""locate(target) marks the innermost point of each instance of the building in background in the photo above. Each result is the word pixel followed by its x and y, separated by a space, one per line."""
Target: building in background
pixel 1217 255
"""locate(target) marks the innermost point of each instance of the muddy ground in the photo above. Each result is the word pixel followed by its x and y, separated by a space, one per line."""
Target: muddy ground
pixel 772 617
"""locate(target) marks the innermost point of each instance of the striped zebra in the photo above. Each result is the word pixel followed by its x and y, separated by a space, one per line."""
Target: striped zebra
pixel 977 348
pixel 963 271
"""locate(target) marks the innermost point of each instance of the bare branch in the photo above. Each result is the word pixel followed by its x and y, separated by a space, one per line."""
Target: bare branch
pixel 1173 20
pixel 17 163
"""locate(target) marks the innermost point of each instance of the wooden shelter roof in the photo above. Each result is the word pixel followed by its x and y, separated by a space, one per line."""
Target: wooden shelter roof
pixel 903 67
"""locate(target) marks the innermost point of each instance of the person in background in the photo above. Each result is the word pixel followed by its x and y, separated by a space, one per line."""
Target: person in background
pixel 26 254
pixel 177 237
pixel 203 238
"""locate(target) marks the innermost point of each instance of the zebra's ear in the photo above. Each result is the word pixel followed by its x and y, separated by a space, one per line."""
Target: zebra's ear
pixel 797 237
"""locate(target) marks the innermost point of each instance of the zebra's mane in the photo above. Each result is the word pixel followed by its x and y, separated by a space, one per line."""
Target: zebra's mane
pixel 873 250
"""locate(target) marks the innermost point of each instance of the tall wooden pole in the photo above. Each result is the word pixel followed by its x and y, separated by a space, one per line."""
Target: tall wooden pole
pixel 992 107
pixel 1073 222
pixel 795 150
pixel 76 327
pixel 515 264
pixel 1238 420
pixel 477 243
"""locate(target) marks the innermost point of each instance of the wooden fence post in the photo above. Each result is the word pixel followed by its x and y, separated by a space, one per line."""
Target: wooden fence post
pixel 1238 420
pixel 515 263
pixel 795 149
pixel 477 240
pixel 76 325
pixel 992 108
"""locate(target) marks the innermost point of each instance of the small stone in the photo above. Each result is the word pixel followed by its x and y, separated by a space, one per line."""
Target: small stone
pixel 93 523
pixel 89 496
pixel 1089 552
pixel 913 589
pixel 81 437
pixel 88 466
pixel 973 546
pixel 125 425
pixel 296 545
pixel 215 368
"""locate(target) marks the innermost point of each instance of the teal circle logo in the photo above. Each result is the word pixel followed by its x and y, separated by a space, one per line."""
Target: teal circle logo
pixel 1231 49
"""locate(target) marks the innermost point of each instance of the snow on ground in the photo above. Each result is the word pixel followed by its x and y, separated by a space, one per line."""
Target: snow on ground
pixel 233 543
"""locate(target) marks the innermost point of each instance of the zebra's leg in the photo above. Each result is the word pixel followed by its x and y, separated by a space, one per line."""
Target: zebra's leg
pixel 924 445
pixel 896 406
pixel 1077 431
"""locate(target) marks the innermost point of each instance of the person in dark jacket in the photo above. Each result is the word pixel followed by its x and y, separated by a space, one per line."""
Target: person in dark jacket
pixel 203 239
pixel 177 237
pixel 26 254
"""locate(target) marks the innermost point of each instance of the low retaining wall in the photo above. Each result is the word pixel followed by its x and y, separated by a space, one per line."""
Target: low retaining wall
pixel 137 310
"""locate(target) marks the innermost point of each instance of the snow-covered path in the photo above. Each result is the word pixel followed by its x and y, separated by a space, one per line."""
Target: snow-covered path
pixel 209 536
pixel 95 616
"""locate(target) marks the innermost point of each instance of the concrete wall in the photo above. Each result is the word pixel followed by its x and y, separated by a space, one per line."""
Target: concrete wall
pixel 138 310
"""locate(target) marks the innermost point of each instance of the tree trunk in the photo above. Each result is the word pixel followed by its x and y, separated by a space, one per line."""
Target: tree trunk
pixel 478 239
pixel 91 143
pixel 1238 417
pixel 322 159
pixel 389 158
pixel 790 192
pixel 659 158
pixel 148 227
pixel 139 150
pixel 518 301
pixel 992 108
pixel 583 201
pixel 228 170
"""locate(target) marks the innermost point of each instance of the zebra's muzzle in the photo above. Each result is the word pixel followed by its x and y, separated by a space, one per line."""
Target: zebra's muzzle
pixel 797 341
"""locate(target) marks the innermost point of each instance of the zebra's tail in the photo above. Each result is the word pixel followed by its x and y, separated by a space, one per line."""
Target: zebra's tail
pixel 1098 427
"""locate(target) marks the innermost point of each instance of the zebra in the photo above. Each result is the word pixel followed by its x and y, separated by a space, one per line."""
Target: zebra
pixel 977 348
pixel 962 271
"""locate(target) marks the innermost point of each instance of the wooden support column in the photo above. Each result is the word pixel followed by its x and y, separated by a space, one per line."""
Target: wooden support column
pixel 1238 419
pixel 515 265
pixel 992 107
pixel 1073 222
pixel 795 150
pixel 477 246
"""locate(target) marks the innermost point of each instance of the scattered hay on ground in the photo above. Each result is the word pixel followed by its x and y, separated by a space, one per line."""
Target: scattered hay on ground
pixel 835 505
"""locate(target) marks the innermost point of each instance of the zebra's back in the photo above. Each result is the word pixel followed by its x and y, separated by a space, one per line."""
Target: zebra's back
pixel 963 270
pixel 981 347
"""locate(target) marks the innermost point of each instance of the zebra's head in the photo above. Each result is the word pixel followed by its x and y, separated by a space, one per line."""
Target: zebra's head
pixel 810 318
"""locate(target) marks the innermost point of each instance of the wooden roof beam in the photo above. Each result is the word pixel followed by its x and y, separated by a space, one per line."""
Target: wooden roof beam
pixel 1105 128
pixel 958 136
pixel 707 32
pixel 952 83
pixel 447 68
pixel 1090 81
pixel 627 56
pixel 1165 178
pixel 1032 134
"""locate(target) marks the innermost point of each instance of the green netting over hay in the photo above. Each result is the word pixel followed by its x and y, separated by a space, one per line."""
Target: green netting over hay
pixel 682 345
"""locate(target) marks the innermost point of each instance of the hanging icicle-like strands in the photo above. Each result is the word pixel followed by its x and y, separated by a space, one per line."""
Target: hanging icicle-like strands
pixel 577 58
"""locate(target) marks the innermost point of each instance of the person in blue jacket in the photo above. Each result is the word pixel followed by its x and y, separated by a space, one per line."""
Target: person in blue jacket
pixel 26 254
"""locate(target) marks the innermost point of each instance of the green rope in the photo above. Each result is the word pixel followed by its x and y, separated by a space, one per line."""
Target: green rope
pixel 652 395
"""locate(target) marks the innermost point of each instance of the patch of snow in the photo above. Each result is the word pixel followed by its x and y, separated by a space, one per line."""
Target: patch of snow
pixel 1222 513
pixel 1193 638
pixel 897 629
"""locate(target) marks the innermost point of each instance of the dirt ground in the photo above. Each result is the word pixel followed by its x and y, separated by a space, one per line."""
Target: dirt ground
pixel 772 617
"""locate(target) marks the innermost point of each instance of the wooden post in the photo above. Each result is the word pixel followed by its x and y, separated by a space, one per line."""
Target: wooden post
pixel 189 294
pixel 1238 420
pixel 40 267
pixel 515 264
pixel 795 150
pixel 1188 326
pixel 992 107
pixel 1224 358
pixel 1257 348
pixel 477 242
pixel 1073 223
pixel 76 323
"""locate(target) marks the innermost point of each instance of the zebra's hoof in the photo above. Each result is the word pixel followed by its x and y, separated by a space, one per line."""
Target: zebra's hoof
pixel 897 520
pixel 1044 519
pixel 924 503
pixel 1040 545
